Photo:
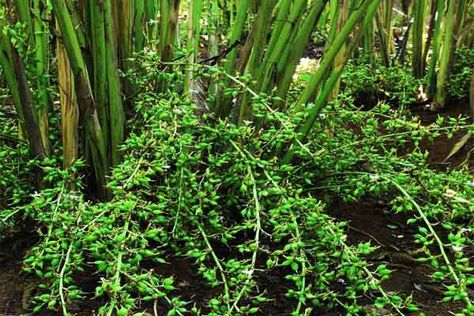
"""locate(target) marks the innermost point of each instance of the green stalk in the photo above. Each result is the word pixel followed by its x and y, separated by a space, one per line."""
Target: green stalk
pixel 124 31
pixel 418 32
pixel 440 96
pixel 194 31
pixel 387 23
pixel 23 11
pixel 251 52
pixel 165 29
pixel 213 44
pixel 236 34
pixel 41 53
pixel 169 10
pixel 258 42
pixel 461 14
pixel 331 54
pixel 37 40
pixel 368 42
pixel 73 49
pixel 471 95
pixel 169 18
pixel 366 12
pixel 151 18
pixel 342 54
pixel 69 109
pixel 429 36
pixel 266 79
pixel 99 59
pixel 116 111
pixel 223 103
pixel 382 35
pixel 10 79
pixel 333 14
pixel 298 46
pixel 436 47
pixel 88 114
pixel 15 76
pixel 280 22
pixel 138 22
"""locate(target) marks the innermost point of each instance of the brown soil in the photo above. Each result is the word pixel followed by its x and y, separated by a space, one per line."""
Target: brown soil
pixel 13 284
pixel 371 220
pixel 442 146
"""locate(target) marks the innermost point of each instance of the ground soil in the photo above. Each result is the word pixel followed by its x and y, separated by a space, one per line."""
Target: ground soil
pixel 368 220
pixel 12 281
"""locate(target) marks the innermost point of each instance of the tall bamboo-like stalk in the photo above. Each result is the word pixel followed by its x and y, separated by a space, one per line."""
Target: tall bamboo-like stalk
pixel 169 10
pixel 151 21
pixel 88 120
pixel 418 37
pixel 461 13
pixel 15 75
pixel 439 99
pixel 252 51
pixel 257 41
pixel 116 110
pixel 297 48
pixel 365 13
pixel 99 58
pixel 341 56
pixel 138 26
pixel 333 18
pixel 280 38
pixel 223 103
pixel 387 9
pixel 37 40
pixel 431 26
pixel 436 46
pixel 281 20
pixel 331 53
pixel 471 94
pixel 69 108
pixel 123 30
pixel 213 44
pixel 41 54
pixel 194 31
pixel 368 43
pixel 383 19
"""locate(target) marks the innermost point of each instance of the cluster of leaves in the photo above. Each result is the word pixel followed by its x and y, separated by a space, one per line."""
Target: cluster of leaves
pixel 461 73
pixel 365 160
pixel 208 192
pixel 366 80
pixel 16 169
pixel 214 195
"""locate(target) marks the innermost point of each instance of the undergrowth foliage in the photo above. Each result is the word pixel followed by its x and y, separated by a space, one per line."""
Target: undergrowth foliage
pixel 16 182
pixel 369 83
pixel 210 193
pixel 198 215
pixel 215 196
pixel 458 85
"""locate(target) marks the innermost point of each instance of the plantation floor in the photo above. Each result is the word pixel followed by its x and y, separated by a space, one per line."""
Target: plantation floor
pixel 12 283
pixel 369 220
pixel 442 146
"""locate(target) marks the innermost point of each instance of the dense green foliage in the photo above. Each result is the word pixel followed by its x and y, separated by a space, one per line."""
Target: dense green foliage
pixel 458 86
pixel 191 168
pixel 213 194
